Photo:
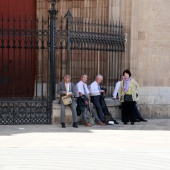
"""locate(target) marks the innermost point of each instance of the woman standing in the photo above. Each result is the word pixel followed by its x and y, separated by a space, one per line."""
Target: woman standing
pixel 128 97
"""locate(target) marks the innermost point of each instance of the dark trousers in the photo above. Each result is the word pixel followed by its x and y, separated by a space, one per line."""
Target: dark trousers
pixel 128 112
pixel 138 115
pixel 96 100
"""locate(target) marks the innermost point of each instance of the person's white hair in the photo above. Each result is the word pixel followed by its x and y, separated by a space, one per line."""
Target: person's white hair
pixel 99 76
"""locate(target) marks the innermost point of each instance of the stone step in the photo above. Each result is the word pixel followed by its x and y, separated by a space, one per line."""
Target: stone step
pixel 113 106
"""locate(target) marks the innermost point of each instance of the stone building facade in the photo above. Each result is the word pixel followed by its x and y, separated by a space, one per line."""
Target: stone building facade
pixel 147 29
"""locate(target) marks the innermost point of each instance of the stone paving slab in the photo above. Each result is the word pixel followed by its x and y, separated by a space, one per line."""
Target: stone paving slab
pixel 144 146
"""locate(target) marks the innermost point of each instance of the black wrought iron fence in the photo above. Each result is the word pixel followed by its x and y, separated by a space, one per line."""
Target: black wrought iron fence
pixel 91 47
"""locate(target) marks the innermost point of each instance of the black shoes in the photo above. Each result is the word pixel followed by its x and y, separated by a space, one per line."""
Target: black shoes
pixel 143 120
pixel 132 123
pixel 75 125
pixel 115 122
pixel 63 125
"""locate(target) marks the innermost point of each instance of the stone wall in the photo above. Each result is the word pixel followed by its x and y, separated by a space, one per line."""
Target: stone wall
pixel 155 102
pixel 150 55
pixel 150 42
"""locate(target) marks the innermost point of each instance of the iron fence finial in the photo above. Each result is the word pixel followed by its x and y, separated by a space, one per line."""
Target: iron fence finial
pixel 68 14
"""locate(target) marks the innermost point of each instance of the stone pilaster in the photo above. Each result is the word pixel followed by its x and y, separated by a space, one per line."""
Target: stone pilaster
pixel 120 10
pixel 134 38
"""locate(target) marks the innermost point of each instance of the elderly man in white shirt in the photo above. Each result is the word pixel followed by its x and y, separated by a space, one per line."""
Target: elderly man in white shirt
pixel 98 100
pixel 82 92
pixel 81 87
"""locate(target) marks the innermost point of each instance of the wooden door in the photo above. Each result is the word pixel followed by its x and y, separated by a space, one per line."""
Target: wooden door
pixel 17 52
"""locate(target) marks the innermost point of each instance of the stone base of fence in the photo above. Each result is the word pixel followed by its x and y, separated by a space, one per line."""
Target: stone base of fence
pixel 113 107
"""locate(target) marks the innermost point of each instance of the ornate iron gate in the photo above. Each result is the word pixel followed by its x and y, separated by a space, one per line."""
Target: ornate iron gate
pixel 25 95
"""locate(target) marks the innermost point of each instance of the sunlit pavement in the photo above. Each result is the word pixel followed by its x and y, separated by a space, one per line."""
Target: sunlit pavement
pixel 144 146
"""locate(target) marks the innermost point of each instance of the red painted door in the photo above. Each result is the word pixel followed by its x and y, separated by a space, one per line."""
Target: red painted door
pixel 17 58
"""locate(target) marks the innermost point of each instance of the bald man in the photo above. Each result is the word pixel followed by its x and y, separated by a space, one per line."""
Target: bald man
pixel 98 100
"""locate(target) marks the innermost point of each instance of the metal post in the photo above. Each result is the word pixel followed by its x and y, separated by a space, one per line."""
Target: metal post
pixel 52 47
pixel 68 17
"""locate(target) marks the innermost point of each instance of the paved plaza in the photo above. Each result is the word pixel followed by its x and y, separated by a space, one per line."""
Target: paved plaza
pixel 144 146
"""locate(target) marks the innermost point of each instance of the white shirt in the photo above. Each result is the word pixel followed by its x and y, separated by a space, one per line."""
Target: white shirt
pixel 95 89
pixel 80 89
pixel 116 89
pixel 68 84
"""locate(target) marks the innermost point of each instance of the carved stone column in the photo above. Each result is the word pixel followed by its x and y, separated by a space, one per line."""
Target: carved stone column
pixel 134 38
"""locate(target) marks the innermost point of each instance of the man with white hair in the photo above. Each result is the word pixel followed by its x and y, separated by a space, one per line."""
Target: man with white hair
pixel 98 100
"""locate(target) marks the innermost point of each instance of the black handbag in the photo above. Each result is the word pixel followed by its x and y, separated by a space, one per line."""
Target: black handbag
pixel 128 98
